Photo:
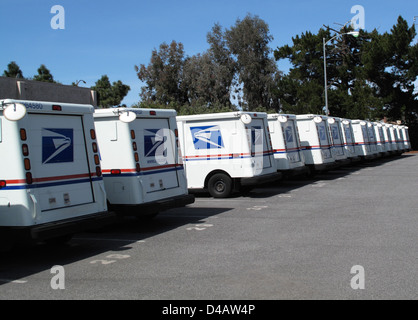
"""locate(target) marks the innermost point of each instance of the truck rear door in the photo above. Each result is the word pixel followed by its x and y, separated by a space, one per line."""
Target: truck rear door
pixel 291 141
pixel 259 142
pixel 324 140
pixel 59 161
pixel 159 168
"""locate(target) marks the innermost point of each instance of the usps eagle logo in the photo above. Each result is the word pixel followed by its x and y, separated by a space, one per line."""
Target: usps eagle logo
pixel 207 137
pixel 154 140
pixel 57 145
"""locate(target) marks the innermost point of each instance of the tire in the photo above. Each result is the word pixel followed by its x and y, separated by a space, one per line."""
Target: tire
pixel 220 185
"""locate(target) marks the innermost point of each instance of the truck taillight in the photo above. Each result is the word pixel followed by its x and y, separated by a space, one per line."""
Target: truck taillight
pixel 152 113
pixel 98 171
pixel 138 167
pixel 136 157
pixel 134 146
pixel 133 134
pixel 115 171
pixel 2 184
pixel 176 133
pixel 23 136
pixel 56 107
pixel 25 150
pixel 96 160
pixel 95 149
pixel 27 164
pixel 93 134
pixel 29 179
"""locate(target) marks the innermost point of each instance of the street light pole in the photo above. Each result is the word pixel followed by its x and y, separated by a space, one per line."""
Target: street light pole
pixel 326 81
pixel 354 34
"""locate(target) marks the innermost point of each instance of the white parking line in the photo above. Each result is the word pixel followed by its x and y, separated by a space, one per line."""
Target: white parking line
pixel 13 281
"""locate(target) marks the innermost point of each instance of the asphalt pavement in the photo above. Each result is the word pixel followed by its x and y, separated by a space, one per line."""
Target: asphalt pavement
pixel 350 233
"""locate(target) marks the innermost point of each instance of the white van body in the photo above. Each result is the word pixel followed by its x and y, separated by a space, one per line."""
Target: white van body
pixel 395 139
pixel 372 140
pixel 361 137
pixel 388 138
pixel 285 139
pixel 315 141
pixel 338 145
pixel 400 138
pixel 349 142
pixel 407 142
pixel 50 176
pixel 380 138
pixel 140 160
pixel 223 152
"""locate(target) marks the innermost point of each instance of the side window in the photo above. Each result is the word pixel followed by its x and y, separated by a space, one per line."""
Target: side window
pixel 289 134
pixel 335 133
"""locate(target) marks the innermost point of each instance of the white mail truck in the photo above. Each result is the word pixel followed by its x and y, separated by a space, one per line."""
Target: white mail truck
pixel 316 142
pixel 361 138
pixel 286 144
pixel 380 138
pixel 388 138
pixel 395 138
pixel 338 149
pixel 349 143
pixel 51 183
pixel 139 153
pixel 226 152
pixel 400 138
pixel 407 142
pixel 372 140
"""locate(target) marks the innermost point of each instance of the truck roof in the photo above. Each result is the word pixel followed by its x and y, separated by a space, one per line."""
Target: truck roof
pixel 310 116
pixel 222 115
pixel 50 107
pixel 277 115
pixel 140 112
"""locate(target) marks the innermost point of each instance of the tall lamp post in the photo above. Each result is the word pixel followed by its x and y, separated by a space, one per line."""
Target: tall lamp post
pixel 354 34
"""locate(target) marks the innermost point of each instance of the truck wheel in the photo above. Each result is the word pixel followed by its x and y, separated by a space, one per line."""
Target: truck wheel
pixel 220 186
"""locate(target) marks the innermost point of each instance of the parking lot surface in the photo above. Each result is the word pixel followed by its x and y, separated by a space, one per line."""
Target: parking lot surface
pixel 294 239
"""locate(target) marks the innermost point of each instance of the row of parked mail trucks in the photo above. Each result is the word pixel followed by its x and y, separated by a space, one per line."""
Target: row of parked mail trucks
pixel 65 168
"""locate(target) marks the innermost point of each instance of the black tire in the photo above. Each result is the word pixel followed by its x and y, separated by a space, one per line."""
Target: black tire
pixel 220 185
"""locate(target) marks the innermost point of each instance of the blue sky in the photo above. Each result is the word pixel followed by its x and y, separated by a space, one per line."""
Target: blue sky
pixel 111 37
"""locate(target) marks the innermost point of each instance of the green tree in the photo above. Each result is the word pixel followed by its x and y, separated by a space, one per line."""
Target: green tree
pixel 248 40
pixel 13 71
pixel 163 77
pixel 44 75
pixel 391 67
pixel 302 90
pixel 110 95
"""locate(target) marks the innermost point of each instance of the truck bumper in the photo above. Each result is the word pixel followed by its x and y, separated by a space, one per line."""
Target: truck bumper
pixel 71 226
pixel 154 207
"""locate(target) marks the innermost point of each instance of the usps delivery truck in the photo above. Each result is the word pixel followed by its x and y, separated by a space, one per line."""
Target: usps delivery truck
pixel 316 142
pixel 226 152
pixel 372 140
pixel 338 146
pixel 51 183
pixel 388 138
pixel 142 169
pixel 286 144
pixel 407 143
pixel 348 136
pixel 400 138
pixel 380 138
pixel 395 138
pixel 361 137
